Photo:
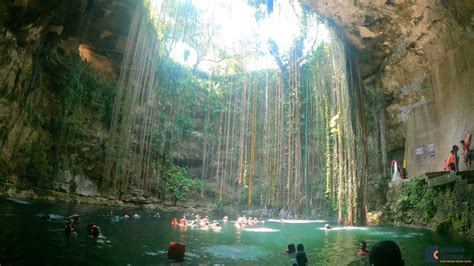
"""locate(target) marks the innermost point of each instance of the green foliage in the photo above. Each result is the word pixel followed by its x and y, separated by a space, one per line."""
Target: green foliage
pixel 446 208
pixel 416 196
pixel 454 212
pixel 81 88
pixel 185 125
pixel 176 181
pixel 178 184
pixel 38 169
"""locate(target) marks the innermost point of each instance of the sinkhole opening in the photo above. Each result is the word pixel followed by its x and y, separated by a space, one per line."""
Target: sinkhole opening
pixel 241 103
pixel 224 37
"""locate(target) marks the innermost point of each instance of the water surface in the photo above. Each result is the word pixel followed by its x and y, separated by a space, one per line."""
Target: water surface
pixel 26 239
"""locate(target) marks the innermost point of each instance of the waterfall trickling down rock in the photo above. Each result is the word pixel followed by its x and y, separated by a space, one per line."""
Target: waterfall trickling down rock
pixel 129 150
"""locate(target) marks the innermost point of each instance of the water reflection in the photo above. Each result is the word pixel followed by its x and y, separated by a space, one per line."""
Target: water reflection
pixel 248 253
pixel 25 239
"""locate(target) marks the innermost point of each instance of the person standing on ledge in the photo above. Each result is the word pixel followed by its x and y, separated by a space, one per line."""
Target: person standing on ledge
pixel 455 150
pixel 452 162
pixel 466 152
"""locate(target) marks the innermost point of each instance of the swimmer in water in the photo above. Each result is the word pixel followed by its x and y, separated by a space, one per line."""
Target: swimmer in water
pixel 70 228
pixel 363 249
pixel 290 250
pixel 301 259
pixel 74 217
pixel 327 227
pixel 93 230
pixel 183 221
pixel 174 222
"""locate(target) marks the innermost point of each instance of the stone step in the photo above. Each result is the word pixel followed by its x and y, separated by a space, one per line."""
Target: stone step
pixel 466 174
pixel 444 179
pixel 436 174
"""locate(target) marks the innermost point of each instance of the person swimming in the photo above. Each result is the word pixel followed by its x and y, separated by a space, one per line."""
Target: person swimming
pixel 183 221
pixel 216 226
pixel 70 228
pixel 301 259
pixel 71 225
pixel 363 249
pixel 225 219
pixel 174 222
pixel 327 227
pixel 290 250
pixel 93 230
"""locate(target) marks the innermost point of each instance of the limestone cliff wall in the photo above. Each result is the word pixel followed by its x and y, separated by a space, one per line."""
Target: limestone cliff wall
pixel 37 38
pixel 417 54
pixel 446 115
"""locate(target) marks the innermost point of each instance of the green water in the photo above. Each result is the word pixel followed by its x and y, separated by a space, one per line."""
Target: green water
pixel 26 239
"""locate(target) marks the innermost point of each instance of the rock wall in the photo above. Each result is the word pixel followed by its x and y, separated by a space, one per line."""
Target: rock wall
pixel 414 52
pixel 446 115
pixel 38 38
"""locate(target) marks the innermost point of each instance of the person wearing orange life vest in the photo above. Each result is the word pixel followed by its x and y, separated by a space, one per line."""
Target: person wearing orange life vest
pixel 174 222
pixel 452 162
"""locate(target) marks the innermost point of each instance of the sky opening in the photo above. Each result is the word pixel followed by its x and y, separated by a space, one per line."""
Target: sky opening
pixel 242 31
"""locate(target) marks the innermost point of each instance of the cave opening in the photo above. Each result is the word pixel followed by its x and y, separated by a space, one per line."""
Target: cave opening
pixel 245 107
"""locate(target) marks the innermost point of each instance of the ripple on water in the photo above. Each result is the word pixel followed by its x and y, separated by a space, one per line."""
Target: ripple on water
pixel 410 235
pixel 296 221
pixel 252 253
pixel 382 233
pixel 155 253
pixel 24 202
pixel 261 230
pixel 345 228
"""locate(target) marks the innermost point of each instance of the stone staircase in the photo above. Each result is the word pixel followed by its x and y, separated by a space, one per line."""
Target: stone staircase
pixel 434 179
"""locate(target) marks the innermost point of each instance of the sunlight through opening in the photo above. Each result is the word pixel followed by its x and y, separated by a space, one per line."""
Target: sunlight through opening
pixel 235 32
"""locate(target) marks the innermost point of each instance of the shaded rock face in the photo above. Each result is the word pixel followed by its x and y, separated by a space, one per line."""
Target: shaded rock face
pixel 36 37
pixel 406 50
pixel 402 45
pixel 80 185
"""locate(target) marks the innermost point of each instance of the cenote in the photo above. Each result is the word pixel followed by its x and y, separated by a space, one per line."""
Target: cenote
pixel 302 113
pixel 30 240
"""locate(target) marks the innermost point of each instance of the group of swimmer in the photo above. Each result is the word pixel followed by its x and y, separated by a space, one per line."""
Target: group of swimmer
pixel 242 221
pixel 93 230
pixel 379 254
pixel 384 252
pixel 301 259
pixel 202 222
pixel 70 229
pixel 128 215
